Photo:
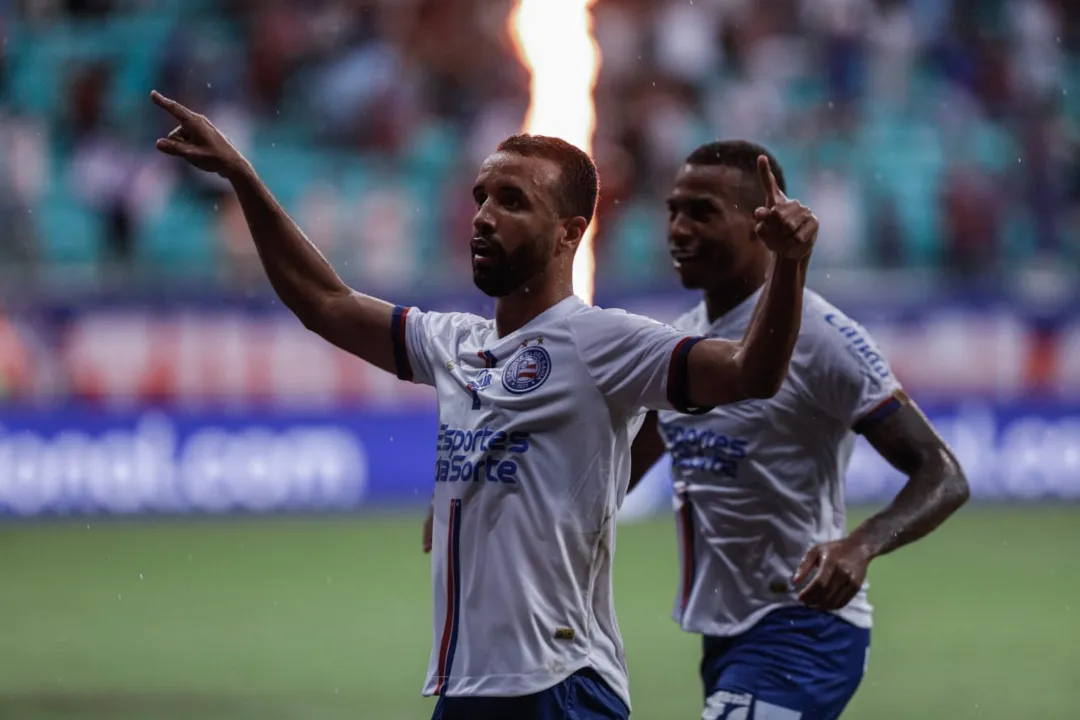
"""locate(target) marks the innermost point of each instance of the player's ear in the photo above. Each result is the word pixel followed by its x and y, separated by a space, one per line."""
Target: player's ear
pixel 573 232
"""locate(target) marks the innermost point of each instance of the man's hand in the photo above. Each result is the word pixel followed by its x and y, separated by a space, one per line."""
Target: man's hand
pixel 428 523
pixel 197 141
pixel 841 569
pixel 787 227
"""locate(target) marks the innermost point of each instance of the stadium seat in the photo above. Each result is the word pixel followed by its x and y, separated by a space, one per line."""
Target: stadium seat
pixel 70 233
pixel 182 240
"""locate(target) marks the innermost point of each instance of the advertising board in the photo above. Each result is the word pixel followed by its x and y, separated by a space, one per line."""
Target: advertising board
pixel 80 460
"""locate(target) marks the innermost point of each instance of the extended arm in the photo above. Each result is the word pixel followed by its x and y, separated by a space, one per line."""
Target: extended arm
pixel 307 284
pixel 298 272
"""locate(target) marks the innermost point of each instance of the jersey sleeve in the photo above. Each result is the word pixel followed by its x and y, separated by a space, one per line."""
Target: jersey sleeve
pixel 636 362
pixel 422 341
pixel 851 378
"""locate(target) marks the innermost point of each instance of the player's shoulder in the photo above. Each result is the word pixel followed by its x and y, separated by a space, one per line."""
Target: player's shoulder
pixel 610 321
pixel 832 342
pixel 454 319
pixel 449 325
pixel 695 320
pixel 825 325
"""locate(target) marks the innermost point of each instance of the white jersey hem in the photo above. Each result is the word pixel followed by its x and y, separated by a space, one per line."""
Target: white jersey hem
pixel 520 685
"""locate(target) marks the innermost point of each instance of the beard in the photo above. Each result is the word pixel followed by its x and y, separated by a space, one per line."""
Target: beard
pixel 506 272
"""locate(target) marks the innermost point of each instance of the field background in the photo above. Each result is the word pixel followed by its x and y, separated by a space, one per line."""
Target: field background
pixel 285 618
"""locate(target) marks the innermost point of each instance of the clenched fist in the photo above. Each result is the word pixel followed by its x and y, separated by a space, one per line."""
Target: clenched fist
pixel 787 227
pixel 839 570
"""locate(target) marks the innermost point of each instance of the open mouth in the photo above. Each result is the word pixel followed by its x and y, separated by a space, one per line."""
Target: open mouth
pixel 483 254
pixel 683 257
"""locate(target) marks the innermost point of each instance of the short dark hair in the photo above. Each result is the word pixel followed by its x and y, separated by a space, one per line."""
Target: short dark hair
pixel 579 185
pixel 738 154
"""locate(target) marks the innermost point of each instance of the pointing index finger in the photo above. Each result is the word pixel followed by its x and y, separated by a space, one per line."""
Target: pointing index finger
pixel 773 195
pixel 174 108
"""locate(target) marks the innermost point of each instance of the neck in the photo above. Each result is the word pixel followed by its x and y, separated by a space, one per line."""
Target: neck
pixel 515 310
pixel 731 293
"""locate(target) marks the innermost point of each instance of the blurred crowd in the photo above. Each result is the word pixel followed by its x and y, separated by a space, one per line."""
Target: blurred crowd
pixel 942 135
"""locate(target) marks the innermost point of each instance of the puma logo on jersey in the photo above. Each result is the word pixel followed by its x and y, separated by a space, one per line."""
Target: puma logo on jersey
pixel 564 633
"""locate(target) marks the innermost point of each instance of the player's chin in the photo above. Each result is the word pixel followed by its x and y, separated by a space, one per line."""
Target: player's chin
pixel 692 276
pixel 490 283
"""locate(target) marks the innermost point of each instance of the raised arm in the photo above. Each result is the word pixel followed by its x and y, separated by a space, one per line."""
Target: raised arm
pixel 723 371
pixel 298 272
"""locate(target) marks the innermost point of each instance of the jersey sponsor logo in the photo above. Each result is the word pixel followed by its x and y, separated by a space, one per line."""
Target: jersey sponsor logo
pixel 482 381
pixel 475 387
pixel 527 370
pixel 703 450
pixel 860 346
pixel 479 455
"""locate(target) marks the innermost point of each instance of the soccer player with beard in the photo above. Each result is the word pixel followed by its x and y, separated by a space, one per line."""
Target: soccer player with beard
pixel 537 410
pixel 768 577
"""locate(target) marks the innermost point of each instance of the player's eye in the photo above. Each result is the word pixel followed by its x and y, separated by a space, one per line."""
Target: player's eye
pixel 478 199
pixel 511 201
pixel 700 211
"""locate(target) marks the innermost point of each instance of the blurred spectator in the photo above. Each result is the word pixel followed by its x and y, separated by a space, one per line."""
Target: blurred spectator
pixel 900 120
pixel 973 218
pixel 14 362
pixel 101 162
pixel 22 178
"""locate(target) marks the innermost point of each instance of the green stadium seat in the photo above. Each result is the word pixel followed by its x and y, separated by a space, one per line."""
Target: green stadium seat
pixel 71 233
pixel 182 240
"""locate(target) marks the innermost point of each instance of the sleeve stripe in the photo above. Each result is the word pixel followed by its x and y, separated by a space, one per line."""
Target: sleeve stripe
pixel 678 390
pixel 397 336
pixel 880 412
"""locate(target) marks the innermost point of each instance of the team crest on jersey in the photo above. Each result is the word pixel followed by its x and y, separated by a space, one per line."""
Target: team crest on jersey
pixel 527 370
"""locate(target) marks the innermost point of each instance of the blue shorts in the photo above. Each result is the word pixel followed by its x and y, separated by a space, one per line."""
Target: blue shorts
pixel 795 664
pixel 582 696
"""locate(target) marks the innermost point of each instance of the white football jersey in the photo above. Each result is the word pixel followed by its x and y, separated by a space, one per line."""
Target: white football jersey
pixel 533 462
pixel 758 483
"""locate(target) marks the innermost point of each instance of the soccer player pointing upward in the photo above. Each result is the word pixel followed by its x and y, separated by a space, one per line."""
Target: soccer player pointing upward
pixel 768 576
pixel 537 409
